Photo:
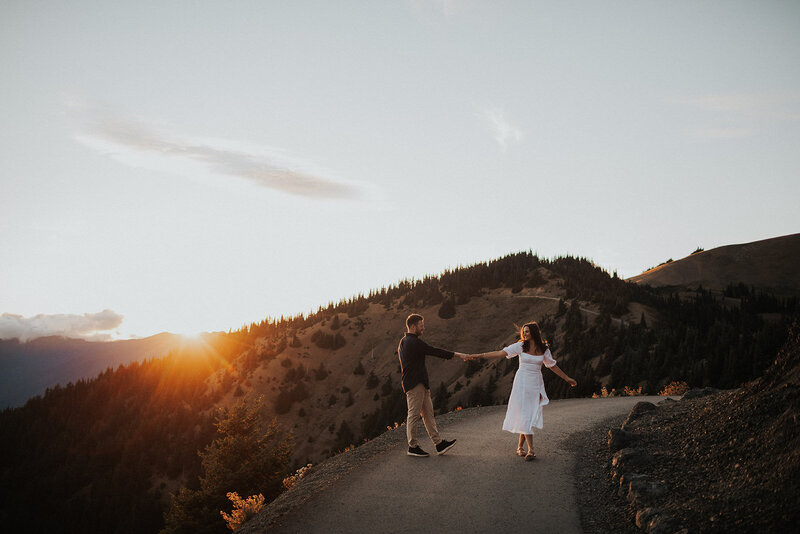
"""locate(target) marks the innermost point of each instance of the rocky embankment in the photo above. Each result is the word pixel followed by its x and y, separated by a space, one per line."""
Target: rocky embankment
pixel 715 461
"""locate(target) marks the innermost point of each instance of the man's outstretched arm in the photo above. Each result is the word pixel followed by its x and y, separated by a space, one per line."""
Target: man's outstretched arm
pixel 441 353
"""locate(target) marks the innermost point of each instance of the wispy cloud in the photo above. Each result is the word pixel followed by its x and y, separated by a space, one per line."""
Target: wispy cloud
pixel 126 137
pixel 502 130
pixel 90 326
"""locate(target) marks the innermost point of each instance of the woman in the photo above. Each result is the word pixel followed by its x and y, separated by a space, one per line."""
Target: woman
pixel 524 411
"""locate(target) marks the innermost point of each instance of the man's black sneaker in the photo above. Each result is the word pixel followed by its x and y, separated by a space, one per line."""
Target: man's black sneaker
pixel 417 451
pixel 444 446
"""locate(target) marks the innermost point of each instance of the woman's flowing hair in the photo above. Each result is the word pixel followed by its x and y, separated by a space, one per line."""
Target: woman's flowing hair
pixel 536 336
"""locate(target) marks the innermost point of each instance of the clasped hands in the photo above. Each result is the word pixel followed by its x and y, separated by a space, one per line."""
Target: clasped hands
pixel 466 357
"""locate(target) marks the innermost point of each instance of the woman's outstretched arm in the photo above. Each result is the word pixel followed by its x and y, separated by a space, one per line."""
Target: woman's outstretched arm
pixel 493 354
pixel 571 381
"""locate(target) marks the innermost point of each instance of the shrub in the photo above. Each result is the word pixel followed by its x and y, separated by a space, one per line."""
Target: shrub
pixel 243 509
pixel 344 437
pixel 291 480
pixel 562 308
pixel 328 341
pixel 604 393
pixel 478 396
pixel 372 380
pixel 295 374
pixel 441 397
pixel 320 373
pixel 473 366
pixel 627 391
pixel 535 279
pixel 448 308
pixel 675 388
pixel 630 392
pixel 286 397
pixel 386 388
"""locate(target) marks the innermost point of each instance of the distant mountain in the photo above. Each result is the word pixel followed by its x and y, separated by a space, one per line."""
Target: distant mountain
pixel 28 369
pixel 772 264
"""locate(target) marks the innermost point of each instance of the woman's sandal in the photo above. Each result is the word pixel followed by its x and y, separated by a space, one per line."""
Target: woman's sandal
pixel 530 456
pixel 520 451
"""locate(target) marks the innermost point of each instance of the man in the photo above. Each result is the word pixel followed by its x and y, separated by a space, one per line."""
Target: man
pixel 412 351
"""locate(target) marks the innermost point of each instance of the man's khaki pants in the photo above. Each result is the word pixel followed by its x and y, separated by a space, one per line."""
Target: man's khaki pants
pixel 419 403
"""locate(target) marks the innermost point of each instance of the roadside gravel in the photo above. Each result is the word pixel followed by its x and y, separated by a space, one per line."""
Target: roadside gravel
pixel 601 510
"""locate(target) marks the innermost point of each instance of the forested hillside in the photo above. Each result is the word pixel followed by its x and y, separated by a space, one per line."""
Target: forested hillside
pixel 102 455
pixel 28 369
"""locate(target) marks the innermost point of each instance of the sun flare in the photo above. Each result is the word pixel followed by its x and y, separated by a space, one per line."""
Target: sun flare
pixel 192 337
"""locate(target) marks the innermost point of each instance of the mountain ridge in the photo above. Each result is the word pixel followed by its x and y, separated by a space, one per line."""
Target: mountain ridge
pixel 28 369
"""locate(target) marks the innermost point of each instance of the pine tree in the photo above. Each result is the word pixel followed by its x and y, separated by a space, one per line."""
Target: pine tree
pixel 243 458
pixel 386 388
pixel 344 437
pixel 448 308
pixel 372 380
pixel 440 398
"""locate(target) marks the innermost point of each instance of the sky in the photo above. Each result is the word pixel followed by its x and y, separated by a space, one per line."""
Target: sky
pixel 196 166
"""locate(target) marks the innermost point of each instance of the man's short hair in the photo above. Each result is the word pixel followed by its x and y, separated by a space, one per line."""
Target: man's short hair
pixel 413 319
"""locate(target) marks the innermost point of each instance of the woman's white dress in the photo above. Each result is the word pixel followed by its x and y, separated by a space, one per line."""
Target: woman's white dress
pixel 524 411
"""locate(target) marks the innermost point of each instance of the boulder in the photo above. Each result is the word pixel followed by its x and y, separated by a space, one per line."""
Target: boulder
pixel 625 480
pixel 643 490
pixel 644 516
pixel 637 411
pixel 620 439
pixel 654 521
pixel 662 524
pixel 629 458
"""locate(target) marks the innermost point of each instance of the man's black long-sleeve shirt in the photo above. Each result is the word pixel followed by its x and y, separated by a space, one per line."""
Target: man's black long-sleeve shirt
pixel 412 351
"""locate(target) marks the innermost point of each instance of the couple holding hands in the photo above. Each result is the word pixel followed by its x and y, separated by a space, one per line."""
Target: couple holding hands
pixel 528 396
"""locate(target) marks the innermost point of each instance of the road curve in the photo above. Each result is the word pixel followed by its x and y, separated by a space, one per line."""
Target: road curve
pixel 478 486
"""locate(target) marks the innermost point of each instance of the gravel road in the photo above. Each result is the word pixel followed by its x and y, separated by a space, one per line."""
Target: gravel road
pixel 478 486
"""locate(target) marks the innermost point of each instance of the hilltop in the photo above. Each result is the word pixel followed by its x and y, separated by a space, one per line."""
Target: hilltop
pixel 770 264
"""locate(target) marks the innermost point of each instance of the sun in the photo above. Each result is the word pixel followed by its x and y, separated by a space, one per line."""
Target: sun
pixel 193 337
